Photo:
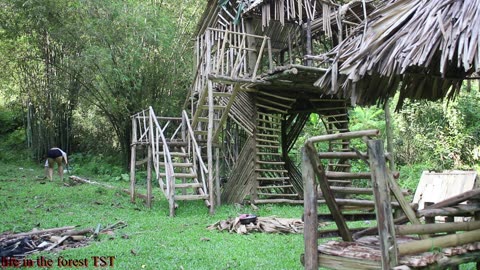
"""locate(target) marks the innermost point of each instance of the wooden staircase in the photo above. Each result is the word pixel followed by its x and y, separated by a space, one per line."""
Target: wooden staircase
pixel 174 154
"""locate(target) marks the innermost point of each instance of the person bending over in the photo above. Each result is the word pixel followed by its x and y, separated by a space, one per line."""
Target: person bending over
pixel 56 155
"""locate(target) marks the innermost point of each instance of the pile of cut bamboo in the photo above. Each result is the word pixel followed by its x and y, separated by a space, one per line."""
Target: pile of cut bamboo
pixel 264 224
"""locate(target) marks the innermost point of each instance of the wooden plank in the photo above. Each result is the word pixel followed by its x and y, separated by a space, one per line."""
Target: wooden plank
pixel 327 192
pixel 383 209
pixel 310 213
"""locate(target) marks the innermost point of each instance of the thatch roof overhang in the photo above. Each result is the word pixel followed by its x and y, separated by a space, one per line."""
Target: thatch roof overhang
pixel 425 48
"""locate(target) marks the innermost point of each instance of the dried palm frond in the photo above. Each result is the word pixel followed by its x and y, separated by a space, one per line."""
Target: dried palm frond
pixel 427 47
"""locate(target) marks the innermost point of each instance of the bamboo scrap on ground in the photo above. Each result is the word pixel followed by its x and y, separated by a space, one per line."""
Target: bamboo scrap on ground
pixel 54 239
pixel 86 181
pixel 263 224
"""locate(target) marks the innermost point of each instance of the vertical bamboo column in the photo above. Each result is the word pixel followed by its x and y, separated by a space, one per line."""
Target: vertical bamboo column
pixel 149 178
pixel 388 126
pixel 217 176
pixel 151 148
pixel 211 188
pixel 310 213
pixel 308 44
pixel 133 157
pixel 383 208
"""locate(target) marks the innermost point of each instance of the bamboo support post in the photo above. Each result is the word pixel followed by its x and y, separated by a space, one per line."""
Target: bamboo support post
pixel 133 158
pixel 210 149
pixel 149 178
pixel 382 201
pixel 310 213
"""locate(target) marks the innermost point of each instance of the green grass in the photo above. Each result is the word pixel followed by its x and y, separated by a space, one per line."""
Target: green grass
pixel 153 240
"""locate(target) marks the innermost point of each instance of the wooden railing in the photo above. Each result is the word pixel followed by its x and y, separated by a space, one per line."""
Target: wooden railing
pixel 157 136
pixel 228 55
pixel 195 150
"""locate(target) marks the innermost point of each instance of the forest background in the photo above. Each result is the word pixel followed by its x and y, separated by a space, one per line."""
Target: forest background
pixel 74 71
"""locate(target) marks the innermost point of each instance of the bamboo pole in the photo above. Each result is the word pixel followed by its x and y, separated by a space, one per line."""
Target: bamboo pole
pixel 388 126
pixel 210 148
pixel 149 178
pixel 345 135
pixel 415 247
pixel 133 157
pixel 310 213
pixel 383 209
pixel 437 228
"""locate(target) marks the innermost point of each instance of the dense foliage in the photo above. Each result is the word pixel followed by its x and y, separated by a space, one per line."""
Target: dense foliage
pixel 81 68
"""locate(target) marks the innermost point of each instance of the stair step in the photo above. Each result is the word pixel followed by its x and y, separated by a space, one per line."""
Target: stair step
pixel 222 94
pixel 268 146
pixel 273 179
pixel 267 141
pixel 279 186
pixel 271 170
pixel 176 164
pixel 339 142
pixel 190 197
pixel 337 121
pixel 270 115
pixel 205 119
pixel 338 129
pixel 277 195
pixel 270 162
pixel 267 135
pixel 267 128
pixel 215 107
pixel 336 115
pixel 189 185
pixel 339 165
pixel 268 153
pixel 181 175
pixel 175 154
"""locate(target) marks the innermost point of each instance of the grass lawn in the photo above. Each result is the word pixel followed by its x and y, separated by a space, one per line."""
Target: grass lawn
pixel 152 240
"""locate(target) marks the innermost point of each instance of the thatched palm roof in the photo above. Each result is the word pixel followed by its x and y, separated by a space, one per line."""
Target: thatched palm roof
pixel 427 47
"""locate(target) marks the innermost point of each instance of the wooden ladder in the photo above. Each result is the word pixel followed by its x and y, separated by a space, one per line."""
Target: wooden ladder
pixel 272 179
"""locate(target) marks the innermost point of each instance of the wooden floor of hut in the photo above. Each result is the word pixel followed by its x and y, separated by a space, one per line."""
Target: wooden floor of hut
pixel 365 254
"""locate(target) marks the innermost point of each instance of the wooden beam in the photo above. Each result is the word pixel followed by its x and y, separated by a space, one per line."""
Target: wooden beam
pixel 382 204
pixel 310 213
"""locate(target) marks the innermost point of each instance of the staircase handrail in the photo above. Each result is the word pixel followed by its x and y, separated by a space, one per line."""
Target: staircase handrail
pixel 196 150
pixel 166 154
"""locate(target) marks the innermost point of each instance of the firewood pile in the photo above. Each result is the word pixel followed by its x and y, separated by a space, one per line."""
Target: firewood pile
pixel 263 225
pixel 53 239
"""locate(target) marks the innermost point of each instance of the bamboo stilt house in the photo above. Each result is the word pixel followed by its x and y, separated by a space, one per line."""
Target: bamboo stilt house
pixel 252 93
